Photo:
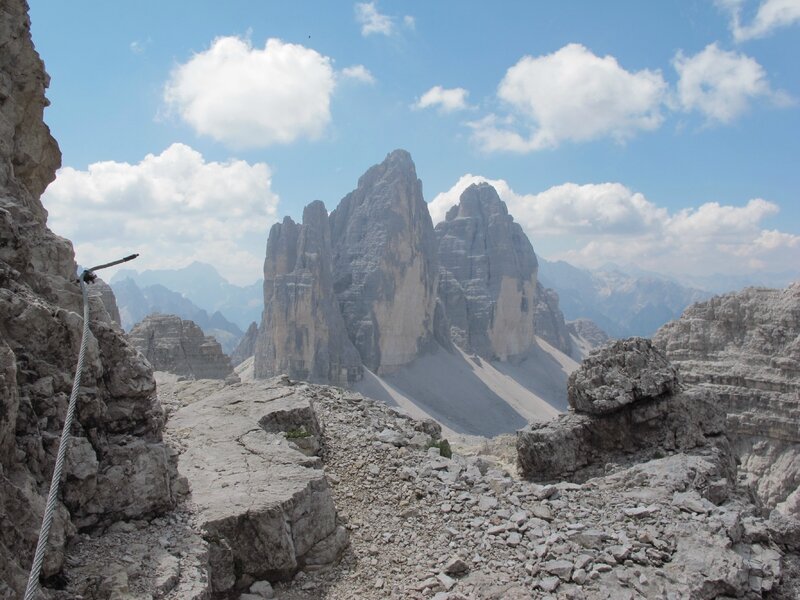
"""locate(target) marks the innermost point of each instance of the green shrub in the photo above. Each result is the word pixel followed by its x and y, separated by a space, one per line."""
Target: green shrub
pixel 294 434
pixel 443 446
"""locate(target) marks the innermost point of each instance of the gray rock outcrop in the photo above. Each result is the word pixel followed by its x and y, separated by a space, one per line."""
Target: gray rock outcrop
pixel 246 346
pixel 302 332
pixel 548 320
pixel 263 505
pixel 384 266
pixel 103 290
pixel 586 336
pixel 488 276
pixel 116 440
pixel 626 400
pixel 744 348
pixel 177 346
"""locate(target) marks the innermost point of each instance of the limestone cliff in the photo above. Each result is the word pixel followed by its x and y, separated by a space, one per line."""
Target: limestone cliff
pixel 744 347
pixel 302 333
pixel 117 437
pixel 177 346
pixel 548 321
pixel 384 264
pixel 488 276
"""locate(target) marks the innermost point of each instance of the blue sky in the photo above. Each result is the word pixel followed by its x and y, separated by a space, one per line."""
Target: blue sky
pixel 661 134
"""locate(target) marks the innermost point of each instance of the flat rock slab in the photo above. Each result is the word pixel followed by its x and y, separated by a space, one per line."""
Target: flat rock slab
pixel 261 503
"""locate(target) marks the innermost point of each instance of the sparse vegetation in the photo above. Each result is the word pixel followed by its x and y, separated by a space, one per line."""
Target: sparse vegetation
pixel 443 446
pixel 294 434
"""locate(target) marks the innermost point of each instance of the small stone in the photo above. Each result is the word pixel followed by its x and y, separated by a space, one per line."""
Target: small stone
pixel 263 589
pixel 456 567
pixel 549 584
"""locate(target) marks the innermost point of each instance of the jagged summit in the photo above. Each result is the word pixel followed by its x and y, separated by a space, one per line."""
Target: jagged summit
pixel 384 264
pixel 405 305
pixel 488 276
pixel 302 332
pixel 478 200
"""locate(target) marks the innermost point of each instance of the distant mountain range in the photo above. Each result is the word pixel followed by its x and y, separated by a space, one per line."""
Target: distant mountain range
pixel 135 303
pixel 622 304
pixel 204 286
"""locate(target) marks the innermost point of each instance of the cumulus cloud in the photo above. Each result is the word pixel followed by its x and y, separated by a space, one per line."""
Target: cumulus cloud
pixel 249 97
pixel 721 84
pixel 446 99
pixel 173 208
pixel 571 95
pixel 374 23
pixel 371 21
pixel 359 73
pixel 771 15
pixel 593 224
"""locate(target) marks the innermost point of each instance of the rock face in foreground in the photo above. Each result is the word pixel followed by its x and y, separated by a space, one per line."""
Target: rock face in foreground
pixel 180 347
pixel 103 290
pixel 626 400
pixel 302 332
pixel 384 267
pixel 744 348
pixel 263 505
pixel 116 444
pixel 488 276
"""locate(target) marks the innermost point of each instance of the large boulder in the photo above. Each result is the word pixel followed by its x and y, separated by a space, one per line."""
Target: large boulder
pixel 626 403
pixel 384 264
pixel 177 346
pixel 302 332
pixel 259 493
pixel 619 374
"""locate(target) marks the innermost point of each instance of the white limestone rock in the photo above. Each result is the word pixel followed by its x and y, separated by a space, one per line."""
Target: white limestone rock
pixel 744 348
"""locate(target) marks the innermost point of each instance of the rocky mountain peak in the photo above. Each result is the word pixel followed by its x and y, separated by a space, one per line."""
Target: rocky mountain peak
pixel 302 332
pixel 488 276
pixel 384 264
pixel 397 166
pixel 479 200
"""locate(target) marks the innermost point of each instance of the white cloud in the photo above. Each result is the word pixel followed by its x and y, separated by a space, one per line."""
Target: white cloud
pixel 771 15
pixel 410 22
pixel 359 73
pixel 594 224
pixel 721 84
pixel 371 21
pixel 448 100
pixel 250 97
pixel 173 208
pixel 571 95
